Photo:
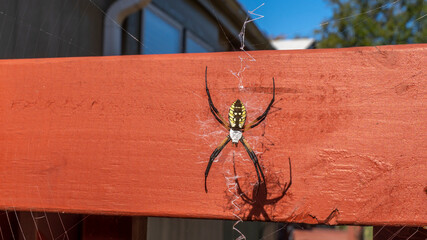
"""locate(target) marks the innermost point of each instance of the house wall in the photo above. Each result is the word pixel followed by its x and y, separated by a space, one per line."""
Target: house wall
pixel 51 28
pixel 67 28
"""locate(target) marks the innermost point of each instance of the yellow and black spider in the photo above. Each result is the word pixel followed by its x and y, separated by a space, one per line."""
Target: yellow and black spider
pixel 236 126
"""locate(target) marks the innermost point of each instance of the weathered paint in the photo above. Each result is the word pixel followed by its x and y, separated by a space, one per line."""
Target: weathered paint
pixel 133 134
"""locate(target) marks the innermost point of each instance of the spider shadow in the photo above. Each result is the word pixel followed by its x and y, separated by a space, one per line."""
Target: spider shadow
pixel 260 196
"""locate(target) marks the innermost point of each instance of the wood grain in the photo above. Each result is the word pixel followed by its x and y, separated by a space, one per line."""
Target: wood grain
pixel 132 135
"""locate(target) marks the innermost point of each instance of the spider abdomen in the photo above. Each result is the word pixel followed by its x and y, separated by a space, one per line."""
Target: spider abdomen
pixel 237 115
pixel 235 136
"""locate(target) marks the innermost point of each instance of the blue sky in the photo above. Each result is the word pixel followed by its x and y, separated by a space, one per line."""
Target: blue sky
pixel 289 17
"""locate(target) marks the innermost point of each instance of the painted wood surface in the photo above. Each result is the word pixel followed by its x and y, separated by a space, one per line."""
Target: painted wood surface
pixel 133 134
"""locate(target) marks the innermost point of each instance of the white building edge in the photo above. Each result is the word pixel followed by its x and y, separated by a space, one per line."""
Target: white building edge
pixel 293 44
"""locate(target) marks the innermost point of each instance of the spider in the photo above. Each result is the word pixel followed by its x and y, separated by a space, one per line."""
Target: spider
pixel 236 126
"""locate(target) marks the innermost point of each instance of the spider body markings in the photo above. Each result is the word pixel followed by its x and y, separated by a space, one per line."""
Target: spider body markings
pixel 236 126
pixel 236 118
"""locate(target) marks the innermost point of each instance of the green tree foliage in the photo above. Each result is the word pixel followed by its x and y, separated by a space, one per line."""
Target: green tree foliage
pixel 368 22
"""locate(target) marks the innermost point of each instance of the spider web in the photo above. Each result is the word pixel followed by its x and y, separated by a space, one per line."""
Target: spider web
pixel 63 41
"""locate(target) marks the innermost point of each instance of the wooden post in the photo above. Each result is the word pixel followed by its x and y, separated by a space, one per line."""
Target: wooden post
pixel 133 134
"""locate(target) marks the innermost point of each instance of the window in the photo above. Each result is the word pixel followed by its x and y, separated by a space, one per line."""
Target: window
pixel 194 44
pixel 160 34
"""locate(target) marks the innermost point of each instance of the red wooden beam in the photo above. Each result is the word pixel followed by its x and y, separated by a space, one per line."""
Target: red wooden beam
pixel 133 134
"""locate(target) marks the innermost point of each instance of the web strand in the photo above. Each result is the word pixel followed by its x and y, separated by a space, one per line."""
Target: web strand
pixel 70 42
pixel 363 13
pixel 232 189
pixel 243 59
pixel 117 24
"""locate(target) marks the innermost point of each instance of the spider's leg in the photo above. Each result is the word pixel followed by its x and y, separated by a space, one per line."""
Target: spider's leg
pixel 254 159
pixel 213 156
pixel 261 118
pixel 212 107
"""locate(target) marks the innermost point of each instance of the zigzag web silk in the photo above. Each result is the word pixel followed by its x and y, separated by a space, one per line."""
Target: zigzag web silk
pixel 245 61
